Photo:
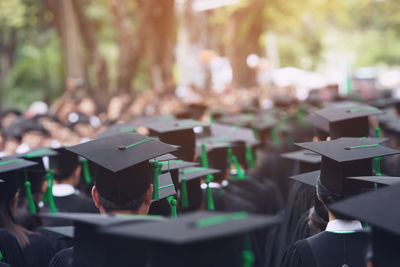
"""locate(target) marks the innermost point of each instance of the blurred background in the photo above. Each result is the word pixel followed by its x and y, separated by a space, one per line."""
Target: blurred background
pixel 53 49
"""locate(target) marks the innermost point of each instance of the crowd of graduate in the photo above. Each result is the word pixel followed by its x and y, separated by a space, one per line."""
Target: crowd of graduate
pixel 238 179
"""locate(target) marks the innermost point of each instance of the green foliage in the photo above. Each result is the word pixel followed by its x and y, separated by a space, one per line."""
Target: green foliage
pixel 37 73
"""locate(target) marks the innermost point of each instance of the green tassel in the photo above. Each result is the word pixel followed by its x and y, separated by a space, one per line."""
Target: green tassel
pixel 378 132
pixel 184 194
pixel 204 158
pixel 212 119
pixel 255 133
pixel 1 256
pixel 29 196
pixel 209 178
pixel 376 165
pixel 172 203
pixel 86 172
pixel 210 200
pixel 156 172
pixel 48 196
pixel 247 254
pixel 275 137
pixel 232 158
pixel 250 158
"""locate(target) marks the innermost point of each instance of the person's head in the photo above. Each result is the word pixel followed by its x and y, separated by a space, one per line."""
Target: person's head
pixel 128 191
pixel 87 106
pixel 8 204
pixel 66 167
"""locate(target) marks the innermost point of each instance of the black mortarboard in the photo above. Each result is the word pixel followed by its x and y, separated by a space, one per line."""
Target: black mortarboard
pixel 346 157
pixel 348 121
pixel 93 249
pixel 225 133
pixel 12 174
pixel 166 187
pixel 217 155
pixel 197 239
pixel 67 231
pixel 176 164
pixel 120 164
pixel 165 157
pixel 308 160
pixel 309 178
pixel 38 153
pixel 384 180
pixel 178 132
pixel 196 173
pixel 378 208
pixel 244 120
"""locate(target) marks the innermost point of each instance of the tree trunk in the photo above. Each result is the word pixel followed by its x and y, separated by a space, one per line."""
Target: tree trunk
pixel 67 26
pixel 159 18
pixel 96 59
pixel 245 31
pixel 130 46
pixel 8 45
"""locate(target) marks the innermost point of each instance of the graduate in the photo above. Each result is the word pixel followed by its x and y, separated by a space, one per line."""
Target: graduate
pixel 384 223
pixel 341 158
pixel 36 249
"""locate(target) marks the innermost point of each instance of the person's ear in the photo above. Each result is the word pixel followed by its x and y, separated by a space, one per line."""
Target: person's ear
pixel 77 175
pixel 96 198
pixel 149 194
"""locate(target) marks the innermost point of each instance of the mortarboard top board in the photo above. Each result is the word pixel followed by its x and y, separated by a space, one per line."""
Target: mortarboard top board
pixel 318 122
pixel 309 178
pixel 195 173
pixel 378 208
pixel 118 128
pixel 176 164
pixel 226 133
pixel 195 227
pixel 384 102
pixel 8 164
pixel 197 239
pixel 166 187
pixel 120 151
pixel 67 231
pixel 239 120
pixel 347 157
pixel 348 121
pixel 341 104
pixel 165 157
pixel 303 156
pixel 264 122
pixel 349 149
pixel 347 113
pixel 384 180
pixel 38 153
pixel 160 127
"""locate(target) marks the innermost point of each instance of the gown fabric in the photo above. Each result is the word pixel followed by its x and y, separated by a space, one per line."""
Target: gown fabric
pixel 328 249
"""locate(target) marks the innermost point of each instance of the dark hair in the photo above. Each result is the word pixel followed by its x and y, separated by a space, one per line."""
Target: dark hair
pixel 328 197
pixel 315 223
pixel 8 222
pixel 132 205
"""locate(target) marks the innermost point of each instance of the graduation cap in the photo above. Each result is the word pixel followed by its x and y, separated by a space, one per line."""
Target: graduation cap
pixel 197 239
pixel 383 180
pixel 348 121
pixel 378 208
pixel 166 204
pixel 308 160
pixel 190 186
pixel 346 157
pixel 64 163
pixel 309 178
pixel 121 166
pixel 94 249
pixel 13 175
pixel 177 132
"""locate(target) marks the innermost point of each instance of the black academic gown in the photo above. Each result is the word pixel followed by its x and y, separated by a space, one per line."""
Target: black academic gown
pixel 39 251
pixel 64 258
pixel 226 201
pixel 328 249
pixel 75 202
pixel 10 250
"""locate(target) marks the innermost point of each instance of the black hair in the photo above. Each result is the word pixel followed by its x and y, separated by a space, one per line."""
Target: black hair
pixel 132 205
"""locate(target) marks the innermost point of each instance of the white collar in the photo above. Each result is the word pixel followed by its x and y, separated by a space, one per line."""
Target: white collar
pixel 62 190
pixel 211 185
pixel 343 226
